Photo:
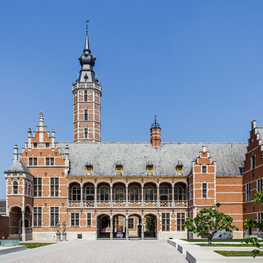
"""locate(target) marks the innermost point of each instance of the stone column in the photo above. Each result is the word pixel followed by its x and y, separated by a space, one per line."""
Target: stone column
pixel 158 196
pixel 142 204
pixel 110 196
pixel 111 234
pixel 157 228
pixel 127 196
pixel 96 228
pixel 172 195
pixel 68 195
pixel 23 226
pixel 95 197
pixel 142 228
pixel 81 196
pixel 127 229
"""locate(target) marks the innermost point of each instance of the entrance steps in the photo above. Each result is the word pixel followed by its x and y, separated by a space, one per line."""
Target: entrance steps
pixel 134 238
pixel 14 237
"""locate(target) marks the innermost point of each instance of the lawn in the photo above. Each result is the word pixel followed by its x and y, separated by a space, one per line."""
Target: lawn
pixel 35 245
pixel 215 240
pixel 226 245
pixel 236 253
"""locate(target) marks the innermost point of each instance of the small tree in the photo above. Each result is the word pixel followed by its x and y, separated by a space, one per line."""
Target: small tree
pixel 208 221
pixel 251 222
pixel 149 222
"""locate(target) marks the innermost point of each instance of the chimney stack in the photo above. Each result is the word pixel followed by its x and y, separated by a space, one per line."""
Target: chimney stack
pixel 155 134
pixel 15 153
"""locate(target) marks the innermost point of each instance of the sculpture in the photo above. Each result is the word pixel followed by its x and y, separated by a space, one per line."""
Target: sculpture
pixel 64 227
pixel 58 227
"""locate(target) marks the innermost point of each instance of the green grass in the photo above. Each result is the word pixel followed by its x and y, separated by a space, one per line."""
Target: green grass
pixel 34 245
pixel 237 253
pixel 226 245
pixel 215 240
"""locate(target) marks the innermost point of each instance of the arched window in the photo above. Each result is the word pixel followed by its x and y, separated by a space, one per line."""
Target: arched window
pixel 164 193
pixel 26 189
pixel 179 193
pixel 75 193
pixel 104 193
pixel 15 187
pixel 119 193
pixel 134 193
pixel 148 193
pixel 89 193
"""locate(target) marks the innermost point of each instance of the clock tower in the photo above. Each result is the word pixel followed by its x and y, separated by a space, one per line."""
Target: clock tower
pixel 87 93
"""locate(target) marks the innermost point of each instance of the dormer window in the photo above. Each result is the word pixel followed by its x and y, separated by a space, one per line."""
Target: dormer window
pixel 149 169
pixel 119 169
pixel 253 162
pixel 89 169
pixel 34 145
pixel 179 167
pixel 204 169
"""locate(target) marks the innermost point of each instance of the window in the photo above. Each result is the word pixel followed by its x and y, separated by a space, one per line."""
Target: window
pixel 149 168
pixel 32 161
pixel 15 187
pixel 104 193
pixel 148 193
pixel 179 193
pixel 253 161
pixel 47 145
pixel 204 169
pixel 119 193
pixel 260 185
pixel 54 216
pixel 37 186
pixel 119 169
pixel 190 192
pixel 75 193
pixel 180 221
pixel 49 161
pixel 85 96
pixel 89 169
pixel 74 219
pixel 26 189
pixel 248 192
pixel 130 223
pixel 134 193
pixel 88 219
pixel 260 217
pixel 165 222
pixel 85 115
pixel 34 145
pixel 164 193
pixel 86 133
pixel 54 185
pixel 204 190
pixel 179 169
pixel 89 193
pixel 37 216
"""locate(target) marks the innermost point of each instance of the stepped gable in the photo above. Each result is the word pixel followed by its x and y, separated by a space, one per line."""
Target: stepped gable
pixel 229 157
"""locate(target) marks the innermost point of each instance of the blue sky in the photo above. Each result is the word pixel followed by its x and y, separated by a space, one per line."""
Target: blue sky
pixel 197 65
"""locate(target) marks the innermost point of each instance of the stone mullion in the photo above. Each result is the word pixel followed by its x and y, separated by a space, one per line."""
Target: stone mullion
pixel 172 195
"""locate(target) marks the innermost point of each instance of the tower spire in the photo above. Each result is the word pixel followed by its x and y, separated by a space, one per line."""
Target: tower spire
pixel 86 47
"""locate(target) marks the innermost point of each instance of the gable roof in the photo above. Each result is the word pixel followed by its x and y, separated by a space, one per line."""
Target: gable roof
pixel 134 157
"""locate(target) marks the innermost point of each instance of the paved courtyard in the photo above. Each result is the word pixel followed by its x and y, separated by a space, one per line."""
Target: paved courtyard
pixel 99 251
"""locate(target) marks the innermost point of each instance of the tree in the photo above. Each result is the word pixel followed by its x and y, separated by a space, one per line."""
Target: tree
pixel 208 221
pixel 149 222
pixel 251 222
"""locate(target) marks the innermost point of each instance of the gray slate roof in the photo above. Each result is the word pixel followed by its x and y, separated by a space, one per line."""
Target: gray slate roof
pixel 18 167
pixel 134 157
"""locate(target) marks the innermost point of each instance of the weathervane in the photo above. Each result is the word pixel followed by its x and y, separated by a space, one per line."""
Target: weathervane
pixel 87 25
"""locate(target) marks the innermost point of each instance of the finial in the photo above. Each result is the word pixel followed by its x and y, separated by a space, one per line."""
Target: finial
pixel 41 119
pixel 86 47
pixel 155 124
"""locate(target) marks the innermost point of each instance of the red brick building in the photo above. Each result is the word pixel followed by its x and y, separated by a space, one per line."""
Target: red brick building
pixel 124 190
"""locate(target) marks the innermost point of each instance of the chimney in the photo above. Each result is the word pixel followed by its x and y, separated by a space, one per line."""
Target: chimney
pixel 155 134
pixel 253 125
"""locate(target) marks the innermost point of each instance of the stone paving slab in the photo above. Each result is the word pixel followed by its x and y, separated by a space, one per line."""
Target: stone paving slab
pixel 153 251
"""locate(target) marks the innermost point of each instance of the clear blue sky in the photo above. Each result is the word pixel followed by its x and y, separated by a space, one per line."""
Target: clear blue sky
pixel 197 65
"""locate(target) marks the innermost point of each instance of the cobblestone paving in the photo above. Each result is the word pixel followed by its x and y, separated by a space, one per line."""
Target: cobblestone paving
pixel 110 251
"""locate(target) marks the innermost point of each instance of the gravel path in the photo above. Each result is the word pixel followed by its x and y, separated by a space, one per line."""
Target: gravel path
pixel 108 251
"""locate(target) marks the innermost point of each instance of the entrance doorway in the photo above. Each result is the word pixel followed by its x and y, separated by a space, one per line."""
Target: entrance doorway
pixel 103 227
pixel 150 226
pixel 119 227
